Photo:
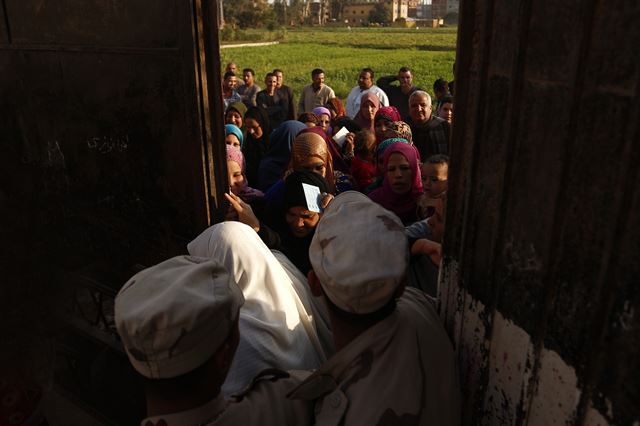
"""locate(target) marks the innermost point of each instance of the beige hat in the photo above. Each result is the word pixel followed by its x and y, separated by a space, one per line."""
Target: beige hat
pixel 359 253
pixel 172 317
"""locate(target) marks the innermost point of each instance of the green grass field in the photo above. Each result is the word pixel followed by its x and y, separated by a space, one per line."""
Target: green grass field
pixel 342 53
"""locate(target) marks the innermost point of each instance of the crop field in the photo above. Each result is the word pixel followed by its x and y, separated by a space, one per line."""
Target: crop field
pixel 343 52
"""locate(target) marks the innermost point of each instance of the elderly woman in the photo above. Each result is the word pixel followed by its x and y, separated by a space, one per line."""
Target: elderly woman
pixel 256 145
pixel 276 160
pixel 235 114
pixel 324 119
pixel 233 135
pixel 281 324
pixel 369 105
pixel 238 183
pixel 402 184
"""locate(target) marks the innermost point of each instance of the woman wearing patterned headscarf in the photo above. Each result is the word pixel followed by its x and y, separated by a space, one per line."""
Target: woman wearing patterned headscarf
pixel 383 121
pixel 369 105
pixel 402 184
pixel 309 152
pixel 401 129
pixel 378 158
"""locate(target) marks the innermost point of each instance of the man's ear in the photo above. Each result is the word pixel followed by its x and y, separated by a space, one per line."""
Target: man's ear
pixel 314 284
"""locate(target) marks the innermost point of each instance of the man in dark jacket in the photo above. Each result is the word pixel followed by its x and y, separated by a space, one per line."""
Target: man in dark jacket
pixel 399 95
pixel 430 133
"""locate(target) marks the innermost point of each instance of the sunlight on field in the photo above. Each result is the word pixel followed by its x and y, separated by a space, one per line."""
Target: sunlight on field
pixel 342 53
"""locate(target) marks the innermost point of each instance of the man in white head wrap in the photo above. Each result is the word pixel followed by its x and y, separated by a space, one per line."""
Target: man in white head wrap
pixel 394 363
pixel 281 324
pixel 178 322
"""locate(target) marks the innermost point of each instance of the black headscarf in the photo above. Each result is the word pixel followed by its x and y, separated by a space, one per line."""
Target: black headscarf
pixel 293 192
pixel 255 148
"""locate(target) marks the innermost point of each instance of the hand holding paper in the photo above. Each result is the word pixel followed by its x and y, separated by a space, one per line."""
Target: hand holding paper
pixel 313 197
pixel 340 136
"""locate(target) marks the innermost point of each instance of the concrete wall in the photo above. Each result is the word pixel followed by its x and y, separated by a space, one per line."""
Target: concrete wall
pixel 539 287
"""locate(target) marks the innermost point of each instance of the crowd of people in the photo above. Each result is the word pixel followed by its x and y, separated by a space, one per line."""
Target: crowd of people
pixel 312 303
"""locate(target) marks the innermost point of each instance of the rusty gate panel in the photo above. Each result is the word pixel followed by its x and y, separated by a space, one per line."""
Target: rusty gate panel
pixel 539 283
pixel 107 164
pixel 114 23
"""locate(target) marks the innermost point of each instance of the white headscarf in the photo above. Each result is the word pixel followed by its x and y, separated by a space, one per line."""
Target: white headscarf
pixel 281 324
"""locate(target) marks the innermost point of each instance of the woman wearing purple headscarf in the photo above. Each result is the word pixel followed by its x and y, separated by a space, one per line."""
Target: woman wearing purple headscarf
pixel 324 119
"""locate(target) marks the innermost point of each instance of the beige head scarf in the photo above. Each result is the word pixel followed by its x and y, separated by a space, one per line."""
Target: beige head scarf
pixel 311 144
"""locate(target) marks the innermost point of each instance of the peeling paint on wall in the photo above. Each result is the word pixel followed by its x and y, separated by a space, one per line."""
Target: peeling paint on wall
pixel 504 359
pixel 557 395
pixel 510 367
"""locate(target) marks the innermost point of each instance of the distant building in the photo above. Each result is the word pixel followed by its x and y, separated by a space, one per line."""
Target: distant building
pixel 412 8
pixel 319 12
pixel 358 13
pixel 440 8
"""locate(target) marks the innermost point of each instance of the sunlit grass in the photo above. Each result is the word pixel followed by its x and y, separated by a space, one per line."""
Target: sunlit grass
pixel 342 53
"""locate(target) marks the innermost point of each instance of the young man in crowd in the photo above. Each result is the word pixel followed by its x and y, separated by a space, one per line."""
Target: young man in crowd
pixel 440 90
pixel 399 95
pixel 285 93
pixel 365 85
pixel 394 363
pixel 229 93
pixel 184 355
pixel 233 67
pixel 269 99
pixel 249 90
pixel 430 133
pixel 315 94
pixel 446 109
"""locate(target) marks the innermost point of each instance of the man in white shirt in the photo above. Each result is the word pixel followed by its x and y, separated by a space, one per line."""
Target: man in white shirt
pixel 365 84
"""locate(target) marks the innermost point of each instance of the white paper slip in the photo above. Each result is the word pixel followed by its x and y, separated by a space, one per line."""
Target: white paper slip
pixel 341 136
pixel 312 194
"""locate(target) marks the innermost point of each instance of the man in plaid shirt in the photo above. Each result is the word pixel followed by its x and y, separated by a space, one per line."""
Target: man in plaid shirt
pixel 430 133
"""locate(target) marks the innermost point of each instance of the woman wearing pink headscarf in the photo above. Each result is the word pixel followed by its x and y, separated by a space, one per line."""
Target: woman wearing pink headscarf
pixel 402 184
pixel 238 183
pixel 369 105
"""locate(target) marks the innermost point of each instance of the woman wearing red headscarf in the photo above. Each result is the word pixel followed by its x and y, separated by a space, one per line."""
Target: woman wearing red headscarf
pixel 383 122
pixel 402 184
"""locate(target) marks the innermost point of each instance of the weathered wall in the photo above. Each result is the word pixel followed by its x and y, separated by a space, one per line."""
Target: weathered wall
pixel 539 287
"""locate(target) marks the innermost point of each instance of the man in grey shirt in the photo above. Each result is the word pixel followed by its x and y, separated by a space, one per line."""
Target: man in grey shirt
pixel 316 94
